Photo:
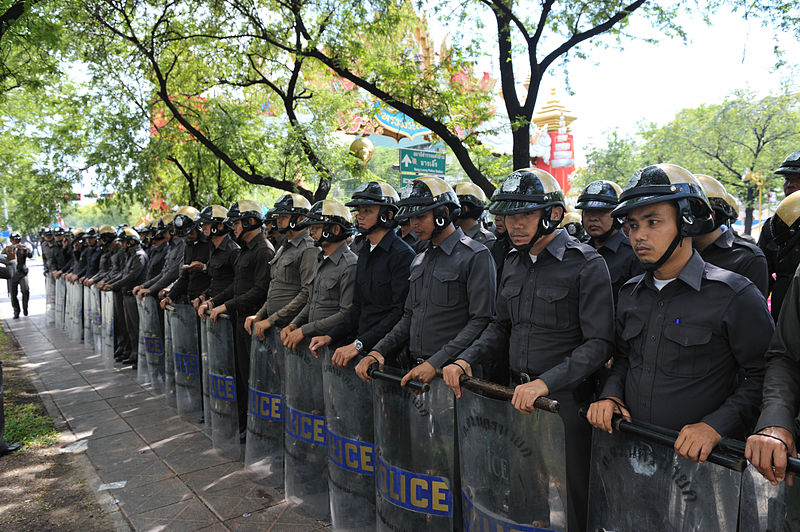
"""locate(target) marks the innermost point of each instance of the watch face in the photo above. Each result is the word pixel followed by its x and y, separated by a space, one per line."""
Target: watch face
pixel 358 345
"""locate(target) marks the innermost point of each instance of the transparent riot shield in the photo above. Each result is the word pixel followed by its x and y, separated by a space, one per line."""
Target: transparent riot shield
pixel 97 319
pixel 306 458
pixel 142 372
pixel 153 339
pixel 641 485
pixel 415 457
pixel 169 364
pixel 50 300
pixel 351 447
pixel 61 295
pixel 76 312
pixel 496 444
pixel 222 388
pixel 767 507
pixel 68 308
pixel 107 324
pixel 88 331
pixel 207 418
pixel 263 454
pixel 182 323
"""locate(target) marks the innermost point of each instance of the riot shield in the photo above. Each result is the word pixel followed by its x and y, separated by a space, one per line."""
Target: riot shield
pixel 351 448
pixel 415 457
pixel 88 331
pixel 263 454
pixel 222 388
pixel 97 319
pixel 182 323
pixel 306 452
pixel 142 372
pixel 767 507
pixel 495 444
pixel 50 300
pixel 169 363
pixel 107 325
pixel 637 484
pixel 76 312
pixel 61 303
pixel 204 365
pixel 67 308
pixel 153 339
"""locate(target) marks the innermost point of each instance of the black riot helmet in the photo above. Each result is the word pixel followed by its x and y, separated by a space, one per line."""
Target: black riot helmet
pixel 785 224
pixel 131 236
pixel 162 226
pixel 376 193
pixel 526 191
pixel 718 198
pixel 214 215
pixel 668 182
pixel 472 199
pixel 244 210
pixel 601 195
pixel 293 205
pixel 425 194
pixel 15 236
pixel 790 165
pixel 184 222
pixel 328 213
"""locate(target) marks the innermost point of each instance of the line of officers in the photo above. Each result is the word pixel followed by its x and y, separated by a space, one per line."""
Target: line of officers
pixel 667 324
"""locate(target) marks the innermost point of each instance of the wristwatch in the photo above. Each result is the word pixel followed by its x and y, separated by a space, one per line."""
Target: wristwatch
pixel 358 345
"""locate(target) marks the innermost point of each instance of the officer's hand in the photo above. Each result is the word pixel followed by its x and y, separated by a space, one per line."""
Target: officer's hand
pixel 293 338
pixel 343 355
pixel 248 323
pixel 365 363
pixel 452 373
pixel 216 311
pixel 526 394
pixel 196 302
pixel 164 302
pixel 425 373
pixel 136 289
pixel 144 292
pixel 695 442
pixel 261 328
pixel 194 266
pixel 201 311
pixel 163 293
pixel 286 330
pixel 601 412
pixel 769 455
pixel 318 342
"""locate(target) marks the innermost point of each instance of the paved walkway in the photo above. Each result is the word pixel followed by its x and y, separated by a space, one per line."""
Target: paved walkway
pixel 174 480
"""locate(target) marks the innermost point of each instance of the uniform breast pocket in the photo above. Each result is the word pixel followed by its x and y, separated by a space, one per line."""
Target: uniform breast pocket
pixel 415 287
pixel 551 307
pixel 511 293
pixel 632 335
pixel 685 351
pixel 329 290
pixel 447 290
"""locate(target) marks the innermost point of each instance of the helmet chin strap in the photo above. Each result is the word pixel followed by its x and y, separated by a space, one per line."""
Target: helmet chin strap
pixel 383 219
pixel 653 266
pixel 543 228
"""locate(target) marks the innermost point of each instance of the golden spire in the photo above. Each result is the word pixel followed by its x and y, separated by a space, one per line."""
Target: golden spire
pixel 550 114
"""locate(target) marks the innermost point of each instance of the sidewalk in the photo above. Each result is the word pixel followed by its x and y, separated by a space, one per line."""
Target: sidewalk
pixel 174 480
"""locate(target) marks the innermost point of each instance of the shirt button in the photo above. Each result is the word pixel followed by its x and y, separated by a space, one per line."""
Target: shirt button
pixel 647 369
pixel 660 303
pixel 653 338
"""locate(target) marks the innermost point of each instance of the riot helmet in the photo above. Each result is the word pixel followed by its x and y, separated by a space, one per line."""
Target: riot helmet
pixel 106 233
pixel 329 213
pixel 129 235
pixel 184 221
pixel 472 199
pixel 425 194
pixel 601 195
pixel 668 182
pixel 293 205
pixel 525 191
pixel 790 165
pixel 572 223
pixel 717 198
pixel 15 236
pixel 735 207
pixel 162 226
pixel 214 215
pixel 244 210
pixel 380 194
pixel 785 223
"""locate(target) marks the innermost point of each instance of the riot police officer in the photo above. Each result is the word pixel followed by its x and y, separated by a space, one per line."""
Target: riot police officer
pixel 722 247
pixel 20 253
pixel 782 258
pixel 193 278
pixel 690 337
pixel 223 254
pixel 596 202
pixel 573 225
pixel 48 247
pixel 555 311
pixel 157 252
pixel 291 270
pixel 174 257
pixel 473 203
pixel 452 286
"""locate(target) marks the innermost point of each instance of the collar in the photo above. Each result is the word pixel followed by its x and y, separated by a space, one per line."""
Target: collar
pixel 337 254
pixel 615 240
pixel 558 245
pixel 450 242
pixel 299 239
pixel 691 274
pixel 385 243
pixel 254 241
pixel 725 240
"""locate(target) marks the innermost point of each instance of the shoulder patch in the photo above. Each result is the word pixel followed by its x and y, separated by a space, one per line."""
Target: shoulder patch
pixel 742 243
pixel 734 280
pixel 586 250
pixel 473 244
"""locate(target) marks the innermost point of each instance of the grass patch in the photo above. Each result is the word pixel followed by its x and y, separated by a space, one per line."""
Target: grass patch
pixel 26 425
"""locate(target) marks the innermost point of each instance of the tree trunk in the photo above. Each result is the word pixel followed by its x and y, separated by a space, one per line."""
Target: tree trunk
pixel 748 210
pixel 522 147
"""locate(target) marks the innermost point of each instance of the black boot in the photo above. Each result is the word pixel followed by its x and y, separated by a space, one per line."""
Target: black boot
pixel 25 297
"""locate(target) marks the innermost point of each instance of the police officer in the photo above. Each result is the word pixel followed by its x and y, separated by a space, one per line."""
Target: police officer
pixel 173 259
pixel 20 253
pixel 410 237
pixel 118 259
pixel 724 248
pixel 48 250
pixel 555 311
pixel 333 281
pixel 106 248
pixel 271 230
pixel 573 225
pixel 93 257
pixel 596 202
pixel 245 295
pixel 502 244
pixel 381 277
pixel 783 258
pixel 193 278
pixel 690 337
pixel 452 286
pixel 132 275
pixel 157 252
pixel 223 254
pixel 473 202
pixel 291 270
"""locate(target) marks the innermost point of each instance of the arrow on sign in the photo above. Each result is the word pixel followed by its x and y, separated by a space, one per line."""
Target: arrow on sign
pixel 406 160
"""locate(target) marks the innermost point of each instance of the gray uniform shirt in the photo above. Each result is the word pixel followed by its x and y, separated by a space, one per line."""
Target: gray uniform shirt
pixel 118 260
pixel 479 234
pixel 291 272
pixel 47 255
pixel 157 258
pixel 134 271
pixel 556 314
pixel 331 292
pixel 171 269
pixel 450 301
